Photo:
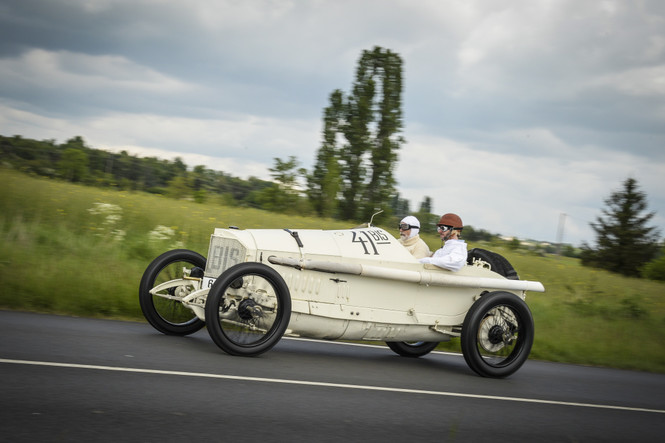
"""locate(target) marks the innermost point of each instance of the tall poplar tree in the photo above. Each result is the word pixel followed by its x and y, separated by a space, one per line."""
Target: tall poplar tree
pixel 356 175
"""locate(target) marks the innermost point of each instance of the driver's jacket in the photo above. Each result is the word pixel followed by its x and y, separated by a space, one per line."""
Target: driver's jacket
pixel 451 256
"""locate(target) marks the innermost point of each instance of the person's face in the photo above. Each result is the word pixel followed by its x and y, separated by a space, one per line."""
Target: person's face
pixel 444 231
pixel 404 232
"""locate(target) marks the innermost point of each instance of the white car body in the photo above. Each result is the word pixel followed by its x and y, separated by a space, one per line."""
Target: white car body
pixel 355 284
pixel 359 284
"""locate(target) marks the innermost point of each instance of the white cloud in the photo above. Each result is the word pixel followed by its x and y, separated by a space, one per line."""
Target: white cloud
pixel 241 136
pixel 234 166
pixel 38 68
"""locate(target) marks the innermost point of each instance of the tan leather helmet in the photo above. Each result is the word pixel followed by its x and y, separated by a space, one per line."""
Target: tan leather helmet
pixel 451 220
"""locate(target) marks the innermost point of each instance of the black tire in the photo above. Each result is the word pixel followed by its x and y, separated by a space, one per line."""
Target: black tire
pixel 497 262
pixel 412 349
pixel 248 309
pixel 167 315
pixel 497 334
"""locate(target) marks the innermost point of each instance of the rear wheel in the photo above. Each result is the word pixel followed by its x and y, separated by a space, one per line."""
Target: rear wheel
pixel 412 349
pixel 248 309
pixel 497 334
pixel 162 308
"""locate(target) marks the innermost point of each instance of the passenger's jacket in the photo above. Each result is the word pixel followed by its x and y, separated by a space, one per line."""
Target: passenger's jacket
pixel 416 246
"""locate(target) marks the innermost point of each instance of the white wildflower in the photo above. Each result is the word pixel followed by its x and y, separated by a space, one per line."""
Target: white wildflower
pixel 161 233
pixel 105 209
pixel 112 216
pixel 118 234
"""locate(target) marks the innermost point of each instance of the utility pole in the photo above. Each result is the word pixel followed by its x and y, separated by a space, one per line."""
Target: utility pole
pixel 559 232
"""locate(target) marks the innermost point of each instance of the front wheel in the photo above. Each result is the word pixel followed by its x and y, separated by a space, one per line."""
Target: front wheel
pixel 412 349
pixel 162 307
pixel 497 334
pixel 248 309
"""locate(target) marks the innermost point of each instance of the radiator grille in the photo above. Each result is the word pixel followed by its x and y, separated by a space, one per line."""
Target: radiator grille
pixel 222 254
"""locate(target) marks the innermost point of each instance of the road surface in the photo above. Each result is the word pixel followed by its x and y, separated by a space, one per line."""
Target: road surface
pixel 78 379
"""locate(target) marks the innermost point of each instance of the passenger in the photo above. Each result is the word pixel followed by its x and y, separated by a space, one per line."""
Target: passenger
pixel 409 228
pixel 452 254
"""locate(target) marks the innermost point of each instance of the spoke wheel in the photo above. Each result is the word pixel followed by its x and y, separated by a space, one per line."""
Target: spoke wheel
pixel 163 310
pixel 412 349
pixel 497 334
pixel 248 309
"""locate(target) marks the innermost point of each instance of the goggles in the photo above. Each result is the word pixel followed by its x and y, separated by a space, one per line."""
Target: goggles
pixel 443 228
pixel 406 226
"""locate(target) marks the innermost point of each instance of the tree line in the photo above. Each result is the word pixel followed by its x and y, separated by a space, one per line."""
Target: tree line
pixel 76 162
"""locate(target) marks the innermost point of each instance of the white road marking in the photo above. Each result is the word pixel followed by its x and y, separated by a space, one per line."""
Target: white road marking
pixel 327 385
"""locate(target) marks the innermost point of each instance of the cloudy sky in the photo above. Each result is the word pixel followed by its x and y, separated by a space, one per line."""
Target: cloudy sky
pixel 515 112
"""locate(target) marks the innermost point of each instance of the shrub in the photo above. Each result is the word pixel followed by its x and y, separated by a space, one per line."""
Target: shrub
pixel 655 269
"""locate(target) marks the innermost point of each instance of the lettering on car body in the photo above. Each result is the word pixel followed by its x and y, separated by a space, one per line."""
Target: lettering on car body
pixel 369 240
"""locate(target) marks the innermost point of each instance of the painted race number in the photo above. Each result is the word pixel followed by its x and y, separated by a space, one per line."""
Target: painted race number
pixel 207 282
pixel 370 239
pixel 223 254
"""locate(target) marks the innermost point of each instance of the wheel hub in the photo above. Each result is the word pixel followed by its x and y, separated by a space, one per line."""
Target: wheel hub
pixel 248 309
pixel 492 336
pixel 496 335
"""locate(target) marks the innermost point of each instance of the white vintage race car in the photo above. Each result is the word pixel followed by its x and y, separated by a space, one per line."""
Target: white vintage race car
pixel 358 284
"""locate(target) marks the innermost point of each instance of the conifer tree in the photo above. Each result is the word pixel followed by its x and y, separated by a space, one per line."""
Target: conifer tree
pixel 624 242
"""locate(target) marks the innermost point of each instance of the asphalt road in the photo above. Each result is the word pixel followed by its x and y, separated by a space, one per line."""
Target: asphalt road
pixel 77 379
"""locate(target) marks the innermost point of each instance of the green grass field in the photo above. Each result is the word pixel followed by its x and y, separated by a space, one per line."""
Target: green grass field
pixel 81 251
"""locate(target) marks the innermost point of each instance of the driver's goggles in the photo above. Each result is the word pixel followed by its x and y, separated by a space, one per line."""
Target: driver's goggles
pixel 406 226
pixel 443 228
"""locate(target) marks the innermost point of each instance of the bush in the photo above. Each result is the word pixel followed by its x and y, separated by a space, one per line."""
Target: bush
pixel 655 269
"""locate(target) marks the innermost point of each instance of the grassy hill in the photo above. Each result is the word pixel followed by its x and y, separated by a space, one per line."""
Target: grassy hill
pixel 81 251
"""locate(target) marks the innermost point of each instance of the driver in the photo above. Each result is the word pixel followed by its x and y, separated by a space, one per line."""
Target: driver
pixel 452 254
pixel 409 228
